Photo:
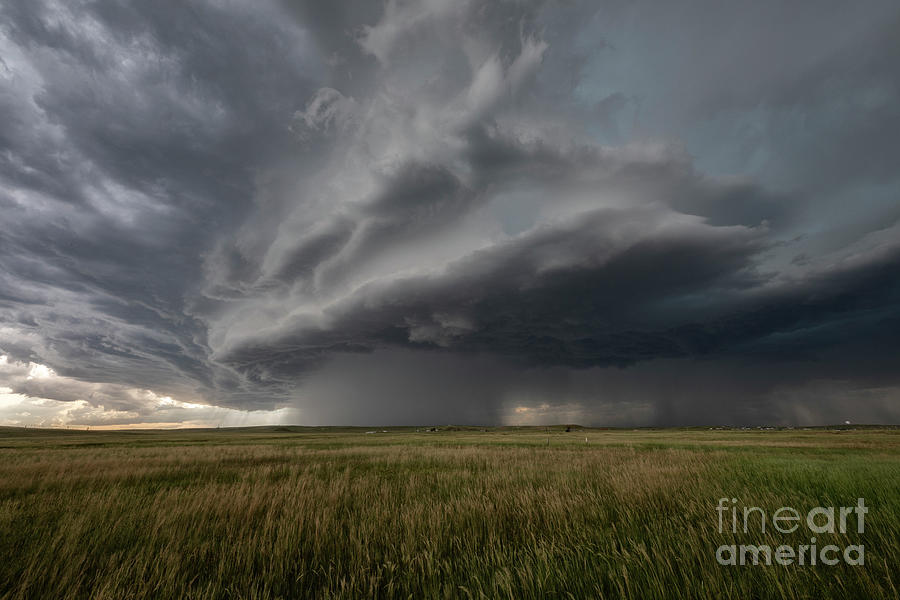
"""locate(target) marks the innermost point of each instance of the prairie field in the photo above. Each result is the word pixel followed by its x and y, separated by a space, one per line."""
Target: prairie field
pixel 293 512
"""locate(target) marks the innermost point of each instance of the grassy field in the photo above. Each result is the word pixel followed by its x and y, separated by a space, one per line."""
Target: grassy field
pixel 467 513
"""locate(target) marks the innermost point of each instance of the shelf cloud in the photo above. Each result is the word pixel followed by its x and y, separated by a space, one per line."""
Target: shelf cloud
pixel 619 213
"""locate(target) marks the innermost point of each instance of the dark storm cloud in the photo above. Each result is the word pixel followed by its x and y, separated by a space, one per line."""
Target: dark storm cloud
pixel 541 208
pixel 133 137
pixel 568 294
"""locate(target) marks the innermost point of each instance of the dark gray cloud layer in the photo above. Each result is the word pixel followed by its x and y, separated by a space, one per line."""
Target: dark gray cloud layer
pixel 623 213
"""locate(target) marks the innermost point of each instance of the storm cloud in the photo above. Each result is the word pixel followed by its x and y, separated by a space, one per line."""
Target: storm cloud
pixel 620 213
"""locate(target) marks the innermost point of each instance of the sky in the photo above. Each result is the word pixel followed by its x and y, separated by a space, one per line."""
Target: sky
pixel 613 213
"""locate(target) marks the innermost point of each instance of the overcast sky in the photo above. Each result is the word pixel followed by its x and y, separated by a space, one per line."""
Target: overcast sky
pixel 413 212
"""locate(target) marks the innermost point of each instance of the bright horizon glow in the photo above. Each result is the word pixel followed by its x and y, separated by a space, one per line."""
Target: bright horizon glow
pixel 28 410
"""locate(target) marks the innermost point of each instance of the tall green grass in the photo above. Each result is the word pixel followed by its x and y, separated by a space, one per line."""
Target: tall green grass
pixel 466 514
